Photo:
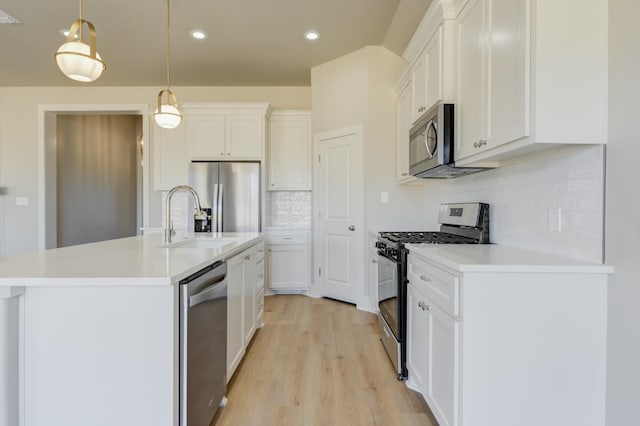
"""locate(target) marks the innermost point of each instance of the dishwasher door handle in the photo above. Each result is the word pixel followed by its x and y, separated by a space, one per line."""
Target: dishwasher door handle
pixel 215 291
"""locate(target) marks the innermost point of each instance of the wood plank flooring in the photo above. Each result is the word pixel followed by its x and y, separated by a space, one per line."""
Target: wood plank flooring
pixel 318 362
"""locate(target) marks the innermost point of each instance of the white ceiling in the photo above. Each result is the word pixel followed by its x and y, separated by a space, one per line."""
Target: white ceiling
pixel 251 42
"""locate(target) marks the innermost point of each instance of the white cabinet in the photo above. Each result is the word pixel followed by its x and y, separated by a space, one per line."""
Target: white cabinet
pixel 171 165
pixel 249 294
pixel 403 121
pixel 373 274
pixel 244 275
pixel 528 79
pixel 289 154
pixel 493 75
pixel 226 132
pixel 490 345
pixel 288 256
pixel 426 76
pixel 432 338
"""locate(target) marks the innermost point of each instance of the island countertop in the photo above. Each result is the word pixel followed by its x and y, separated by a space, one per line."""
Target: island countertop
pixel 142 260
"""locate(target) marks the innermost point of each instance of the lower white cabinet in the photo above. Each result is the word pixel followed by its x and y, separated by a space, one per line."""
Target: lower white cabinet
pixel 245 275
pixel 499 336
pixel 288 256
pixel 432 354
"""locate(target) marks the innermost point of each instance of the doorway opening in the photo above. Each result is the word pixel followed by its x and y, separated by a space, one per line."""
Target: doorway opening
pixel 94 176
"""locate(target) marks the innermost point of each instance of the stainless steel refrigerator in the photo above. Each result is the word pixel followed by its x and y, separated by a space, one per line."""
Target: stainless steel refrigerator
pixel 231 190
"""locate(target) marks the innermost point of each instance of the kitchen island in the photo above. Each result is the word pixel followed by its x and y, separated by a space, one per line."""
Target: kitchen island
pixel 94 328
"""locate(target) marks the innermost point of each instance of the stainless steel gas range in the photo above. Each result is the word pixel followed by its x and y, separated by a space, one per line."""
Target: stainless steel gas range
pixel 461 223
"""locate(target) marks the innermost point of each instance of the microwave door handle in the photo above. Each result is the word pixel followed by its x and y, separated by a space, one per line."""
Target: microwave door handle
pixel 433 130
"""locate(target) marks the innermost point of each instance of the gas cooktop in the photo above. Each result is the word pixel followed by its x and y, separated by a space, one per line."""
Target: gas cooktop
pixel 461 223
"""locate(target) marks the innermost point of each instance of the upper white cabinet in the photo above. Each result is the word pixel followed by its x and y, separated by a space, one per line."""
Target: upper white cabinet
pixel 171 165
pixel 426 76
pixel 289 150
pixel 226 131
pixel 528 78
pixel 209 131
pixel 403 122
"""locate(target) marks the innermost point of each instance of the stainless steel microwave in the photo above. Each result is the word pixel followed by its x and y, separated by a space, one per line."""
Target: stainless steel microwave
pixel 431 143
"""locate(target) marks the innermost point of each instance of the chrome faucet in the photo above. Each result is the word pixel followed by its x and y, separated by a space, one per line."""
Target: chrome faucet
pixel 168 224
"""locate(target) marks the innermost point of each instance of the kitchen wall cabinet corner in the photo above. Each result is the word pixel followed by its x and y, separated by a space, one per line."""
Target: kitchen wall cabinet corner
pixel 226 131
pixel 528 79
pixel 289 151
pixel 403 120
pixel 170 158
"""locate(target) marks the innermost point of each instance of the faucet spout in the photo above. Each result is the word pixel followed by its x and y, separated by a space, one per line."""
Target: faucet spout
pixel 168 225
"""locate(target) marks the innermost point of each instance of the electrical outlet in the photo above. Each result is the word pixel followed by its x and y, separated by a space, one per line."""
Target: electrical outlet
pixel 384 197
pixel 555 219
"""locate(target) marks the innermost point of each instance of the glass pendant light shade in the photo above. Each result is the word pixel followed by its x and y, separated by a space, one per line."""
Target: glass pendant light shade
pixel 78 60
pixel 167 114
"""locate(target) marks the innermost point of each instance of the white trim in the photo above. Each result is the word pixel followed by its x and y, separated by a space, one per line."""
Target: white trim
pixel 43 109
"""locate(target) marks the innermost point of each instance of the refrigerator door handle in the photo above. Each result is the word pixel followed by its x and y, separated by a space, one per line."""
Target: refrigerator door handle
pixel 220 199
pixel 214 209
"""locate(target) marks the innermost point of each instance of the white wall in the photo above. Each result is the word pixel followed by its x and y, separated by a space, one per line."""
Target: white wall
pixel 524 197
pixel 358 89
pixel 19 133
pixel 623 215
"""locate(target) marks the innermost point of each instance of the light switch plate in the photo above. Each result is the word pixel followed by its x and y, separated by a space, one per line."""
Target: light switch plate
pixel 384 197
pixel 22 201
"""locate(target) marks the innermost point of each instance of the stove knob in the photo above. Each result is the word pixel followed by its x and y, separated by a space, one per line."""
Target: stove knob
pixel 380 245
pixel 393 252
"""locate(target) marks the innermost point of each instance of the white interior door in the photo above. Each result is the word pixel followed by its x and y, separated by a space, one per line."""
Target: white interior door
pixel 338 243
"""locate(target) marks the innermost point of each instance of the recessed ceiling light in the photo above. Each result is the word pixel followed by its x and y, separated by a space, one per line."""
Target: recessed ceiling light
pixel 198 34
pixel 311 35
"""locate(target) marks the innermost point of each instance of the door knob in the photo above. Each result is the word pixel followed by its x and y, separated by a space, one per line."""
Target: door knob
pixel 352 228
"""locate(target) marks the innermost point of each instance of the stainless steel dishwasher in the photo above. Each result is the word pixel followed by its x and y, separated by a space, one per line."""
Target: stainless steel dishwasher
pixel 203 344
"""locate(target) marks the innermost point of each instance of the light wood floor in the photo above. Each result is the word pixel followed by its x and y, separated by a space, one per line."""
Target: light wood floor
pixel 318 362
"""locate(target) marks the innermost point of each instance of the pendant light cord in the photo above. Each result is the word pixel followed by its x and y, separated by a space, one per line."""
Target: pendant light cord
pixel 80 37
pixel 168 46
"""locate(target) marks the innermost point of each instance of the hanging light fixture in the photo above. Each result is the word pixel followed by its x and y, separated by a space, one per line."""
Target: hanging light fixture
pixel 76 59
pixel 167 114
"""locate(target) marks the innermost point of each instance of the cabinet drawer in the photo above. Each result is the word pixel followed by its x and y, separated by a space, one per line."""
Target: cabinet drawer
pixel 288 238
pixel 439 285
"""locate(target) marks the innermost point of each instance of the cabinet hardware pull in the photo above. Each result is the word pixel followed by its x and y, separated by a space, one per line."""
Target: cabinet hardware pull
pixel 247 257
pixel 405 174
pixel 425 278
pixel 423 306
pixel 222 154
pixel 374 261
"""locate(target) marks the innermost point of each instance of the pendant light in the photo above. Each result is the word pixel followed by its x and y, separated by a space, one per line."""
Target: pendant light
pixel 167 114
pixel 76 59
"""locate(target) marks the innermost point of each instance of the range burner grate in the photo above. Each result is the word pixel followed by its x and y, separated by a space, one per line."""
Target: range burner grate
pixel 426 238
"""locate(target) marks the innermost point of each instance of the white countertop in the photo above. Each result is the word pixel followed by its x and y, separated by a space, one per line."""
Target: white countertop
pixel 143 260
pixel 496 258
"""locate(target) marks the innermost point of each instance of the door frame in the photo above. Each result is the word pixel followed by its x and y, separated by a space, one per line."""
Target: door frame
pixel 47 127
pixel 316 288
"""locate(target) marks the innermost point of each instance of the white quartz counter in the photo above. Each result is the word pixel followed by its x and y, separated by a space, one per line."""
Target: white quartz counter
pixel 143 260
pixel 497 258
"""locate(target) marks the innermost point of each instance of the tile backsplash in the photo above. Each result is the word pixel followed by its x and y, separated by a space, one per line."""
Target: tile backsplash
pixel 289 208
pixel 550 202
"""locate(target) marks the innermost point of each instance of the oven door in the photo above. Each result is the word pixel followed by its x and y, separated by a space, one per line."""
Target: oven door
pixel 388 297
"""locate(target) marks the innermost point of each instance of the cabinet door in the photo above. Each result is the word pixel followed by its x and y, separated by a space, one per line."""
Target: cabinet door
pixel 471 111
pixel 206 135
pixel 288 267
pixel 419 86
pixel 433 61
pixel 249 295
pixel 290 153
pixel 171 164
pixel 417 339
pixel 235 334
pixel 509 77
pixel 442 376
pixel 403 122
pixel 244 136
